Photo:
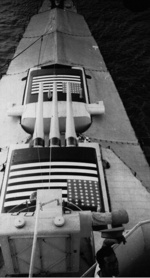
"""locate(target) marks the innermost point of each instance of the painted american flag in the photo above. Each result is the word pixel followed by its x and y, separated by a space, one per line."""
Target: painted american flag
pixel 84 193
pixel 74 170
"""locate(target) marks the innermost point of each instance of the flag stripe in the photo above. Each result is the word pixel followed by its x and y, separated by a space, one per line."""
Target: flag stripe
pixel 53 163
pixel 25 193
pixel 34 185
pixel 19 202
pixel 50 85
pixel 45 177
pixel 61 80
pixel 56 76
pixel 49 170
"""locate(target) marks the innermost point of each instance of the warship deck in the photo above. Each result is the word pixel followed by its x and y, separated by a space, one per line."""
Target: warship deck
pixel 59 39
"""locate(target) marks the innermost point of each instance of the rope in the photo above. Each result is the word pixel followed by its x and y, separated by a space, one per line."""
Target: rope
pixel 39 206
pixel 34 241
pixel 61 32
pixel 21 52
pixel 40 50
pixel 91 139
pixel 88 272
pixel 50 166
pixel 117 142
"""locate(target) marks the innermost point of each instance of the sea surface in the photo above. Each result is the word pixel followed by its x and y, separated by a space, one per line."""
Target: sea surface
pixel 14 18
pixel 123 36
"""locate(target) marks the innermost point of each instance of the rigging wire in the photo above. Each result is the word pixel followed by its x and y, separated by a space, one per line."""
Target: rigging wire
pixel 58 31
pixel 50 156
pixel 26 208
pixel 16 206
pixel 74 205
pixel 50 166
pixel 40 50
pixel 38 151
pixel 39 37
pixel 21 52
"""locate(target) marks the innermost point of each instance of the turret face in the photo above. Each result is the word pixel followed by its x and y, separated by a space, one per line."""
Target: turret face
pixel 60 75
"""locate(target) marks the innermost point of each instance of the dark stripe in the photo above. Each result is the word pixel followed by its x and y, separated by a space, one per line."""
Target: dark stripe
pixel 69 154
pixel 24 198
pixel 37 181
pixel 17 199
pixel 35 189
pixel 26 190
pixel 54 174
pixel 54 167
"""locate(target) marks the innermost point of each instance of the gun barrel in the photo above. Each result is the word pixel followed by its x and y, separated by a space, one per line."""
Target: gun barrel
pixel 70 137
pixel 54 135
pixel 38 135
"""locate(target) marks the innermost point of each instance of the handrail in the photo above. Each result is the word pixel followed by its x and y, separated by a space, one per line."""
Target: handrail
pixel 86 274
pixel 34 242
pixel 39 206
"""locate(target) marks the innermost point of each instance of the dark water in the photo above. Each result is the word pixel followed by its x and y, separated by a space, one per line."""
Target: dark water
pixel 123 36
pixel 14 18
pixel 124 40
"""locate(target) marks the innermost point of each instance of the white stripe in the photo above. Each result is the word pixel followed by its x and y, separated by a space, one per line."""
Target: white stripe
pixel 54 170
pixel 14 203
pixel 56 163
pixel 19 194
pixel 36 185
pixel 50 85
pixel 54 177
pixel 56 79
pixel 46 87
pixel 19 202
pixel 46 91
pixel 26 193
pixel 56 76
pixel 52 78
pixel 59 82
pixel 33 92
